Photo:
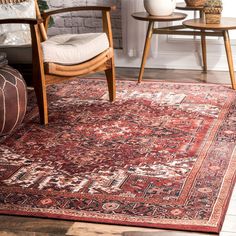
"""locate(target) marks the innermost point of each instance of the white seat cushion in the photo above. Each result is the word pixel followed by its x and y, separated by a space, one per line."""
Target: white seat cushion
pixel 70 49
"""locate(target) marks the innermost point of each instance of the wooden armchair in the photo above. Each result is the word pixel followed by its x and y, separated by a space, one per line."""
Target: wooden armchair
pixel 50 69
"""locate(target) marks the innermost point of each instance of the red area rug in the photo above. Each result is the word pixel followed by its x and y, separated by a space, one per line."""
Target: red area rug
pixel 162 155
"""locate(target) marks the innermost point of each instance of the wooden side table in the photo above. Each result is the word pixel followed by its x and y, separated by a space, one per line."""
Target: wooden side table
pixel 143 16
pixel 221 29
pixel 181 30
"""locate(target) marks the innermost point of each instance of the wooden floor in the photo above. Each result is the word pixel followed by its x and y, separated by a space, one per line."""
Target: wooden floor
pixel 26 226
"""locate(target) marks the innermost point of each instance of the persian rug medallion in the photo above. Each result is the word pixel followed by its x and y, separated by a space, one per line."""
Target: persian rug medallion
pixel 162 155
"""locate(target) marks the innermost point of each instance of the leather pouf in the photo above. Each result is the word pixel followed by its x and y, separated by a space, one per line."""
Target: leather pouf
pixel 13 99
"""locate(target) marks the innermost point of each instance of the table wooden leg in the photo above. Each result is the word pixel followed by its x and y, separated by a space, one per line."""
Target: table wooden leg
pixel 203 43
pixel 229 58
pixel 204 52
pixel 146 49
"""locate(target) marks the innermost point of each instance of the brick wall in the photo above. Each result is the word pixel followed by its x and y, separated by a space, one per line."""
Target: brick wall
pixel 83 22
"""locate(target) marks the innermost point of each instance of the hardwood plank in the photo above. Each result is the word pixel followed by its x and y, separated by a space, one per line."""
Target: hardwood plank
pixel 167 233
pixel 90 229
pixel 25 233
pixel 171 75
pixel 18 233
pixel 17 223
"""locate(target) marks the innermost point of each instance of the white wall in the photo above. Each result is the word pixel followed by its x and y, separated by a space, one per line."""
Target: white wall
pixel 184 52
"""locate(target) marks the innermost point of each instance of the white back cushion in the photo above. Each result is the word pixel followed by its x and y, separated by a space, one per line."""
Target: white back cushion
pixel 16 34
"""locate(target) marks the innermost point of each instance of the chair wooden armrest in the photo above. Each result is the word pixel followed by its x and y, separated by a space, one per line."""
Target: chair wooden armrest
pixel 30 21
pixel 48 13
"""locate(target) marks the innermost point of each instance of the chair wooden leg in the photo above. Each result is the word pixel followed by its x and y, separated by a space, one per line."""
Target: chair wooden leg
pixel 111 81
pixel 40 92
pixel 39 79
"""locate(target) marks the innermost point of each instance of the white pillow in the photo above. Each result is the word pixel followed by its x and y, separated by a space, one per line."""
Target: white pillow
pixel 16 34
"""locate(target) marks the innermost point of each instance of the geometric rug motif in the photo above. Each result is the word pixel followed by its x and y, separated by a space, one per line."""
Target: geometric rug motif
pixel 162 155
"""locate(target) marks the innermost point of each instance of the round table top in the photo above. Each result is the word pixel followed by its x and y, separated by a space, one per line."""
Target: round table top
pixel 225 24
pixel 183 6
pixel 144 16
